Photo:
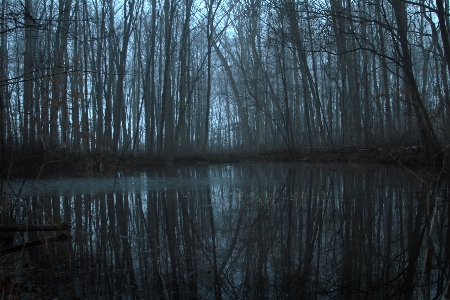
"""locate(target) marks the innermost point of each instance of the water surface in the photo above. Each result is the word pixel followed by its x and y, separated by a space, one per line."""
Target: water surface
pixel 249 231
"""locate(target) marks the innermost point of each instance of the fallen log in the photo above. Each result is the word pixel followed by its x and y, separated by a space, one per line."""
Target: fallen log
pixel 33 227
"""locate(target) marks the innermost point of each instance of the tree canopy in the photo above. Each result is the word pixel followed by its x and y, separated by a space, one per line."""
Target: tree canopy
pixel 173 78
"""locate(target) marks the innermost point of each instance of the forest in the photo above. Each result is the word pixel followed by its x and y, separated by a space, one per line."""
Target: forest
pixel 178 78
pixel 244 91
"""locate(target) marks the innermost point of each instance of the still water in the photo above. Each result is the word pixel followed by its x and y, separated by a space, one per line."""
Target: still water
pixel 240 231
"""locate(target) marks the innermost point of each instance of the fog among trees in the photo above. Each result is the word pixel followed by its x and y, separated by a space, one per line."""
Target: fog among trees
pixel 175 78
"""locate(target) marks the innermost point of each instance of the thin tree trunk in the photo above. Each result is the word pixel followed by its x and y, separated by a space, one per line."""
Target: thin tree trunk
pixel 165 134
pixel 444 31
pixel 184 77
pixel 59 93
pixel 98 80
pixel 429 139
pixel 310 91
pixel 76 86
pixel 4 122
pixel 28 73
pixel 240 106
pixel 119 114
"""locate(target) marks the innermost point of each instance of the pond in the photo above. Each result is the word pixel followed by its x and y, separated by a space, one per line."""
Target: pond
pixel 240 231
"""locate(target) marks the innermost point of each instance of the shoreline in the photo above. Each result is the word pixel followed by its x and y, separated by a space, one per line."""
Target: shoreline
pixel 92 164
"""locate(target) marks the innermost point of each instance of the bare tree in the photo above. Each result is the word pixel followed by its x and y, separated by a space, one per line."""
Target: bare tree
pixel 429 138
pixel 119 112
pixel 184 95
pixel 59 77
pixel 166 126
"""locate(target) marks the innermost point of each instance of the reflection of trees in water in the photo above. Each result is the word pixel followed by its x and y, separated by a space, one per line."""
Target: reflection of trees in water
pixel 318 233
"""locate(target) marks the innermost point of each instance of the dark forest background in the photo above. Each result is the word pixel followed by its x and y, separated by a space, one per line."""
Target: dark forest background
pixel 170 78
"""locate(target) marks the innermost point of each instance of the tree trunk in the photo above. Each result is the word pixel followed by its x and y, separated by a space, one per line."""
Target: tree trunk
pixel 28 74
pixel 310 91
pixel 180 137
pixel 165 132
pixel 444 31
pixel 240 106
pixel 59 93
pixel 429 139
pixel 121 63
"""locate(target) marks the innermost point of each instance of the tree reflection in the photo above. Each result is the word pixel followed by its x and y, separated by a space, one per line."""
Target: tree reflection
pixel 280 232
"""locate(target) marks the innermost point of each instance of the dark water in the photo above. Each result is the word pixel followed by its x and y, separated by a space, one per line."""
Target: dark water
pixel 252 231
